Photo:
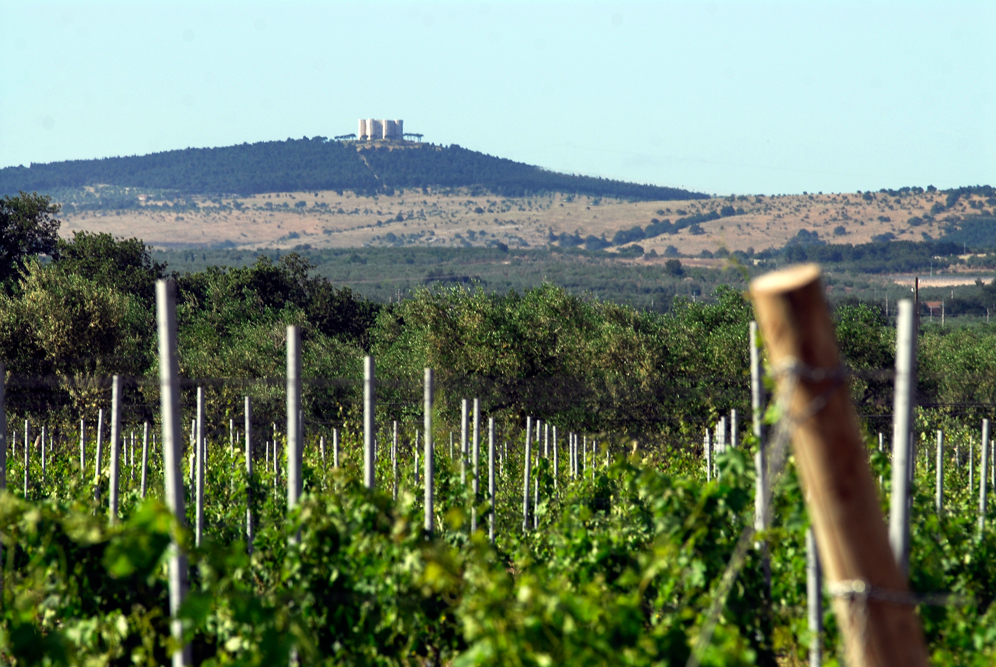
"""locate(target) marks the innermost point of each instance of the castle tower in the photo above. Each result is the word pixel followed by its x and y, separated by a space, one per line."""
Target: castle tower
pixel 374 129
pixel 392 129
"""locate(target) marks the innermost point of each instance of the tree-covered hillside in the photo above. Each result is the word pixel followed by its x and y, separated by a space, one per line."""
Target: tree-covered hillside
pixel 319 164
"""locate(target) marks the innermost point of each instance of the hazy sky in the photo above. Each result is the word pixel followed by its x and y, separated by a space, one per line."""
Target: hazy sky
pixel 721 97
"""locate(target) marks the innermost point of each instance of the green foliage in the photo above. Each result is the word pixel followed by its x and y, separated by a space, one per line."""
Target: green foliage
pixel 28 228
pixel 879 257
pixel 587 364
pixel 125 264
pixel 622 568
pixel 66 327
pixel 318 164
pixel 382 274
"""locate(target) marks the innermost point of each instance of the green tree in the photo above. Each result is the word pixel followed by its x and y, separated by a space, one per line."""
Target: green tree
pixel 74 330
pixel 28 227
pixel 126 264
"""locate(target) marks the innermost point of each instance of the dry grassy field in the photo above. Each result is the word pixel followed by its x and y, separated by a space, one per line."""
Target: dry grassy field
pixel 328 219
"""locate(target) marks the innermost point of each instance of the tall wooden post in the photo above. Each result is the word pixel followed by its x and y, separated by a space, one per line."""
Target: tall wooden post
pixel 169 397
pixel 843 503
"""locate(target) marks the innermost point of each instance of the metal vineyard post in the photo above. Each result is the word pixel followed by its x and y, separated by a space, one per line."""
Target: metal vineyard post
pixel 250 529
pixel 115 445
pixel 905 383
pixel 983 466
pixel 527 461
pixel 428 399
pixel 295 437
pixel 3 432
pixel 939 492
pixel 707 444
pixel 536 489
pixel 3 448
pixel 475 484
pixel 814 599
pixel 145 457
pixel 491 476
pixel 369 421
pixel 99 459
pixel 199 460
pixel 27 459
pixel 335 448
pixel 556 463
pixel 169 396
pixel 416 459
pixel 464 407
pixel 971 465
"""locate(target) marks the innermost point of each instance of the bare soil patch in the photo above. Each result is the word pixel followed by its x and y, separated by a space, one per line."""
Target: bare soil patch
pixel 328 219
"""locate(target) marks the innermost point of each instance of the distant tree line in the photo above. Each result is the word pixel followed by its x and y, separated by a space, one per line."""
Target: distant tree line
pixel 881 257
pixel 638 233
pixel 454 166
pixel 319 164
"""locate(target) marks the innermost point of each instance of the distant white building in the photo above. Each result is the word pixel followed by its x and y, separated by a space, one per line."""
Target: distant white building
pixel 371 128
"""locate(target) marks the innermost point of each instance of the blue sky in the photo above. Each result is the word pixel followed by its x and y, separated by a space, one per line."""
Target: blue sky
pixel 720 97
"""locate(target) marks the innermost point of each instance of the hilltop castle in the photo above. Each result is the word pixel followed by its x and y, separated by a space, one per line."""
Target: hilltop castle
pixel 371 129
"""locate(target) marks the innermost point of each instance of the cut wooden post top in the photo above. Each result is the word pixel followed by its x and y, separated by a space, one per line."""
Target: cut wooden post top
pixel 786 280
pixel 794 318
pixel 830 456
